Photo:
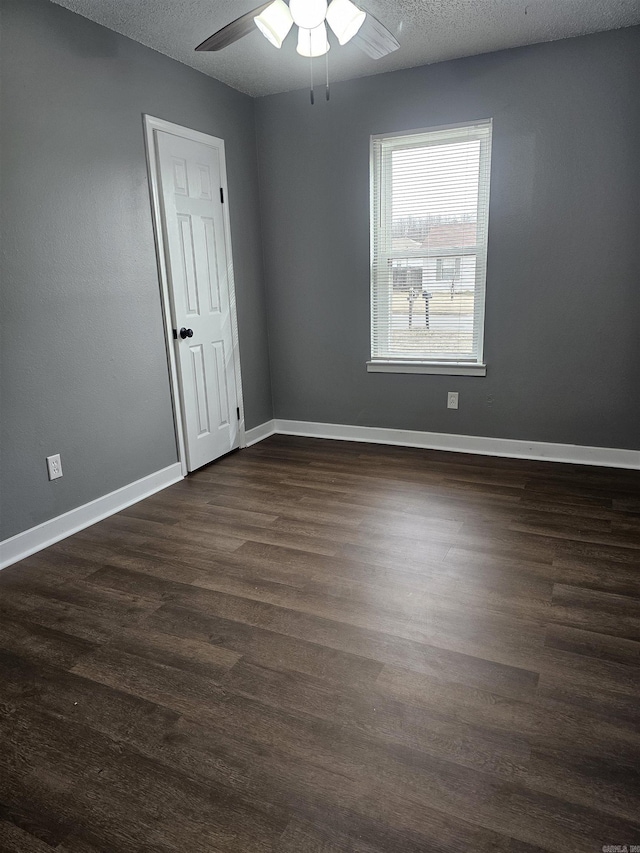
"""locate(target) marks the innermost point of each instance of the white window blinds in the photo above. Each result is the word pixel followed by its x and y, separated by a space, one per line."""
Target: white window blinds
pixel 430 205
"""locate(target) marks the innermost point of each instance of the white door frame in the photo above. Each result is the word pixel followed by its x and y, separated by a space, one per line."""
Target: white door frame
pixel 152 124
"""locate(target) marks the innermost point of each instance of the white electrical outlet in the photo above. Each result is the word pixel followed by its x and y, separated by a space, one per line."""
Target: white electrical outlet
pixel 452 400
pixel 54 466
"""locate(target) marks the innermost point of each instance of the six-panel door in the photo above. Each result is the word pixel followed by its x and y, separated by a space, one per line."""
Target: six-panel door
pixel 198 265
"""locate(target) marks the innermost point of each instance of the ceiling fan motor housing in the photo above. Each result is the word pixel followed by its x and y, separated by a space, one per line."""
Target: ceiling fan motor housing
pixel 308 14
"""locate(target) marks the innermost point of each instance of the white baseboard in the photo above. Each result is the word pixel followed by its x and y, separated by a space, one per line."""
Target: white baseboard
pixel 259 433
pixel 36 538
pixel 515 448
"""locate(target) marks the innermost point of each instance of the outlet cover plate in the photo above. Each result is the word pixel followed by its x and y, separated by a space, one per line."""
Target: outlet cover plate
pixel 452 399
pixel 54 466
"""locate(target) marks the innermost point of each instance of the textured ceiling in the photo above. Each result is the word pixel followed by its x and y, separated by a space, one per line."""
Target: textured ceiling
pixel 428 31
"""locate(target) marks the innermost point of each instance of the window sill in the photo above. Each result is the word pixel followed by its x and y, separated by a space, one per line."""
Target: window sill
pixel 442 367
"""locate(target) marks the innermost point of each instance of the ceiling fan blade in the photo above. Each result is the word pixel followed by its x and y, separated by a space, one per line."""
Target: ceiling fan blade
pixel 375 39
pixel 242 26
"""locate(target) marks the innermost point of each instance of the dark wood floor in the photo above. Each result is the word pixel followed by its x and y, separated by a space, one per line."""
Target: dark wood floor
pixel 321 647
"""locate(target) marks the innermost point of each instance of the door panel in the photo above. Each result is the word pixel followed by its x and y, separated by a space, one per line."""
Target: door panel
pixel 188 280
pixel 213 278
pixel 205 181
pixel 200 389
pixel 223 393
pixel 197 265
pixel 180 176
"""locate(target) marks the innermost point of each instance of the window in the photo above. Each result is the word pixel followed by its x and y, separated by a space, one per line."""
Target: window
pixel 429 221
pixel 447 268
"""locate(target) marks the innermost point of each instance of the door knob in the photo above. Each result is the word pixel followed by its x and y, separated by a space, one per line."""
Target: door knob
pixel 186 333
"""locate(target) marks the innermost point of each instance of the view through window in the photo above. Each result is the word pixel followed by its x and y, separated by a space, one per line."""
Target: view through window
pixel 430 198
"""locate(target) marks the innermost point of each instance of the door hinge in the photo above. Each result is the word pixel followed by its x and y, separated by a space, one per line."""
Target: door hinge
pixel 238 412
pixel 221 196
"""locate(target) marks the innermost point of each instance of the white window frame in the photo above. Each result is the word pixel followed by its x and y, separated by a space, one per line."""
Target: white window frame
pixel 381 177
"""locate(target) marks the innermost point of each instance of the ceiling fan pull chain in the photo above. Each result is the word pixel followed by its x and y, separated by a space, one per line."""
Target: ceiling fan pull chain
pixel 326 65
pixel 313 100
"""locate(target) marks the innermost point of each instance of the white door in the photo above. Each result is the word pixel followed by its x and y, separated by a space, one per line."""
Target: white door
pixel 198 271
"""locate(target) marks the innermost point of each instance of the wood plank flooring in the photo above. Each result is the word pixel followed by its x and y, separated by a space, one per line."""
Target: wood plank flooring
pixel 330 647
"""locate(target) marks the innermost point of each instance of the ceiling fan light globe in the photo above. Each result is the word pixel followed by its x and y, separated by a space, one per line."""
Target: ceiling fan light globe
pixel 275 22
pixel 313 42
pixel 308 14
pixel 345 19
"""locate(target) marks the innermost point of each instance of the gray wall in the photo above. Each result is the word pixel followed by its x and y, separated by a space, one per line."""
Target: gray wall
pixel 563 283
pixel 84 369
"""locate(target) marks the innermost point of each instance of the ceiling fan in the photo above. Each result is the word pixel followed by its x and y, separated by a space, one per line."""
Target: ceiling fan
pixel 275 19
